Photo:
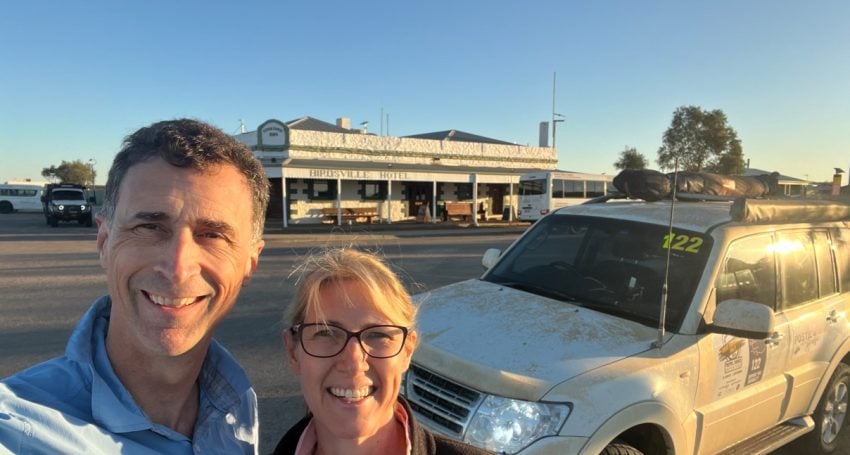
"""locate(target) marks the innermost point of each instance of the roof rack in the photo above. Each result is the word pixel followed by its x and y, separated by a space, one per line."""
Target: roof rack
pixel 763 210
pixel 788 211
pixel 684 197
pixel 51 186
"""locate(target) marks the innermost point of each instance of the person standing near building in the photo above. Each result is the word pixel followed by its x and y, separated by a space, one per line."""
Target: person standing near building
pixel 179 236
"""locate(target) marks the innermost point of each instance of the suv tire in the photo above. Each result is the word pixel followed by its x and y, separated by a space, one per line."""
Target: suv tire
pixel 53 221
pixel 619 448
pixel 830 415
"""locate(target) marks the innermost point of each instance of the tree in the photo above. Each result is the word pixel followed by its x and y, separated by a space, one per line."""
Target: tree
pixel 630 159
pixel 71 172
pixel 731 162
pixel 701 140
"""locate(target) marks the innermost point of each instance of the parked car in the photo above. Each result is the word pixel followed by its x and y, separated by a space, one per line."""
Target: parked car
pixel 66 202
pixel 647 328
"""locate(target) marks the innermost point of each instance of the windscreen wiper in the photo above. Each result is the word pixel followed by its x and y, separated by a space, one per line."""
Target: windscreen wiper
pixel 540 290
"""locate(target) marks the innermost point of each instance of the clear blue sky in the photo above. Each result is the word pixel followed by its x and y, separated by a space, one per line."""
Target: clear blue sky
pixel 78 76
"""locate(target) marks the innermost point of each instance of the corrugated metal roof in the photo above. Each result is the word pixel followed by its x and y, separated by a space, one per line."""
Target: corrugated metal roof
pixel 784 179
pixel 308 123
pixel 459 136
pixel 312 124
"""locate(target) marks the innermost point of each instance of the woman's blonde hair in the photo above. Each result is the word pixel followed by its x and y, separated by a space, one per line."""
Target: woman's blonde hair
pixel 383 287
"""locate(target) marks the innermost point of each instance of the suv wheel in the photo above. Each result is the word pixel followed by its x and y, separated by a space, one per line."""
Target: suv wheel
pixel 830 415
pixel 832 410
pixel 53 221
pixel 619 448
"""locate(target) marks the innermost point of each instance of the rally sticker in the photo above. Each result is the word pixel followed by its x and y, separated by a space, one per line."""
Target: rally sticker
pixel 740 363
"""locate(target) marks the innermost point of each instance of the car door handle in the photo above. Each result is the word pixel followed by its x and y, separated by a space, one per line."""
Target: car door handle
pixel 775 339
pixel 833 316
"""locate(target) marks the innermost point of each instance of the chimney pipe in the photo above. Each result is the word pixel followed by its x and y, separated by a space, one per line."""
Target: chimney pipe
pixel 543 140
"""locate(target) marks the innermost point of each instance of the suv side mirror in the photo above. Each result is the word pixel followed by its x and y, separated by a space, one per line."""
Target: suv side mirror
pixel 743 318
pixel 490 257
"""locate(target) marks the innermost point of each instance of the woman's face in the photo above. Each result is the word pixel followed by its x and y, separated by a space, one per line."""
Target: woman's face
pixel 351 395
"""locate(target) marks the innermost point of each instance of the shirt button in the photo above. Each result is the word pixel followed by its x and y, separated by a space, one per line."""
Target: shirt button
pixel 230 419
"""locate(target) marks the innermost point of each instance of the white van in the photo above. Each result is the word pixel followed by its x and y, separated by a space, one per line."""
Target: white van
pixel 544 192
pixel 606 329
pixel 23 197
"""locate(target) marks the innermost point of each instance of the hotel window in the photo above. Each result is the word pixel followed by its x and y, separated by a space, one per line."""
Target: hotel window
pixel 463 191
pixel 595 189
pixel 373 190
pixel 321 189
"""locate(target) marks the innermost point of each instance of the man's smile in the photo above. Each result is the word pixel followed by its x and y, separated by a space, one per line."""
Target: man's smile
pixel 172 302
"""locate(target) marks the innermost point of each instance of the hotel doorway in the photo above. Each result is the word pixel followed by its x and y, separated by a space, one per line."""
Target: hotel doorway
pixel 497 199
pixel 418 195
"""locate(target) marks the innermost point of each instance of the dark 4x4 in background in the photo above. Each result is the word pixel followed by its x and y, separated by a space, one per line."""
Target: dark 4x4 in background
pixel 66 202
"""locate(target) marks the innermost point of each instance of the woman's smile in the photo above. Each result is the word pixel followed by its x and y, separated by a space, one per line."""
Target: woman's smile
pixel 351 395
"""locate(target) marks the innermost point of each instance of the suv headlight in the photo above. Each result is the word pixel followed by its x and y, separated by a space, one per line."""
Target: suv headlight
pixel 506 425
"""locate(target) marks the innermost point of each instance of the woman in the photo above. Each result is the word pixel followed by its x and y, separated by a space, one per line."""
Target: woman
pixel 351 387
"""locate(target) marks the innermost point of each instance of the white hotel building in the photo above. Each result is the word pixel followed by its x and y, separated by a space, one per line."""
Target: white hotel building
pixel 314 165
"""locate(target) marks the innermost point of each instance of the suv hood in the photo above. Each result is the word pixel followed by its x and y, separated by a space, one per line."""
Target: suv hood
pixel 513 343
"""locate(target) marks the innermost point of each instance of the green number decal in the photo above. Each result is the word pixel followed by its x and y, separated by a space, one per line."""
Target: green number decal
pixel 696 242
pixel 682 242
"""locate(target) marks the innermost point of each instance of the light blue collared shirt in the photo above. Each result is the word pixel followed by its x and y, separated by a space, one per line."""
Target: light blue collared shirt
pixel 76 404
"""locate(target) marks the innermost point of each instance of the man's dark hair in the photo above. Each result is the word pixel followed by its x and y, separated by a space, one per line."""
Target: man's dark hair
pixel 190 144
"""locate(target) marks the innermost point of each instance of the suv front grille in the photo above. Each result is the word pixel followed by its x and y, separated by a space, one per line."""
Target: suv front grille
pixel 445 405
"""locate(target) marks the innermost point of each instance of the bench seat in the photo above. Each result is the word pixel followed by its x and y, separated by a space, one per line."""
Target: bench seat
pixel 350 213
pixel 458 209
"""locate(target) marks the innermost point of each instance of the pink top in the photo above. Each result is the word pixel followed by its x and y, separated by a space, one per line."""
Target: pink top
pixel 308 440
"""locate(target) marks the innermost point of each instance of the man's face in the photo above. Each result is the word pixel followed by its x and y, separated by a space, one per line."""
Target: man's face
pixel 176 253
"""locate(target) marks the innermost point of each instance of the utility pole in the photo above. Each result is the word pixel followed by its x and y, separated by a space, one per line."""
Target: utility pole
pixel 92 162
pixel 556 117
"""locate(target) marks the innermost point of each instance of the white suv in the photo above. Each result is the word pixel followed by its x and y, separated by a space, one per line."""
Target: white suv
pixel 558 348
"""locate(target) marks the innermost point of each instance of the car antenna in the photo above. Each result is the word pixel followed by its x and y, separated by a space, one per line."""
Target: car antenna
pixel 669 240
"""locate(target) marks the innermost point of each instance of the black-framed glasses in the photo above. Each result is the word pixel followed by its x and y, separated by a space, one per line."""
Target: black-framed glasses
pixel 328 340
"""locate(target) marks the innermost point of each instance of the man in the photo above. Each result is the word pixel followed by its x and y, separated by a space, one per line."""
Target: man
pixel 179 235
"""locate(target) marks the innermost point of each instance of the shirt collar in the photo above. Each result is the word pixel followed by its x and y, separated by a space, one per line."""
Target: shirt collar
pixel 80 345
pixel 222 381
pixel 308 440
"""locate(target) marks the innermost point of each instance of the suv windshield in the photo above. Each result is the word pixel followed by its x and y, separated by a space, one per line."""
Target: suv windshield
pixel 68 195
pixel 609 265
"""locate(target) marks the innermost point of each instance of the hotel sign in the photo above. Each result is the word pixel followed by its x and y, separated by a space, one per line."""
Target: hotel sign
pixel 359 174
pixel 273 135
pixel 395 175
